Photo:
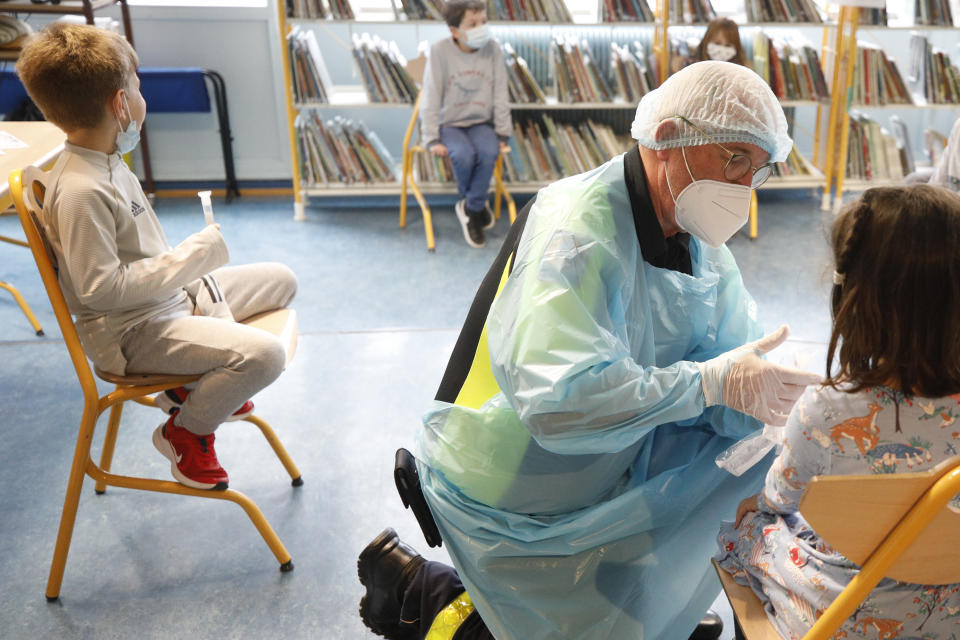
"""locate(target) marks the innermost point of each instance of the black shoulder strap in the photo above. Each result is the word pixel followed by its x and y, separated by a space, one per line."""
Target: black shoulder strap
pixel 463 352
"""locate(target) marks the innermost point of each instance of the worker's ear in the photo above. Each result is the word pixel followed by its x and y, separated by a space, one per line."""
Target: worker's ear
pixel 665 130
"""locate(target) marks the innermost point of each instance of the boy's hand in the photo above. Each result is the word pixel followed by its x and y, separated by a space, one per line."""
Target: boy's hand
pixel 504 147
pixel 438 150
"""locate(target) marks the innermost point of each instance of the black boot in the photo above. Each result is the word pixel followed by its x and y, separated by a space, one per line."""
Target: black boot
pixel 386 567
pixel 710 627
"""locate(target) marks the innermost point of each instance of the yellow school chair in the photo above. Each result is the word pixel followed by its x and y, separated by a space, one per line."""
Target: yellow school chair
pixel 415 68
pixel 28 190
pixel 32 319
pixel 898 526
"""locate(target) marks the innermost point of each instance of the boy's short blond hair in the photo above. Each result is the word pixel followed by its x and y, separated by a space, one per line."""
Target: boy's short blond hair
pixel 71 71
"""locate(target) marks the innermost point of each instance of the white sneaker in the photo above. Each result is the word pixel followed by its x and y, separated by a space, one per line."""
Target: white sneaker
pixel 488 219
pixel 472 233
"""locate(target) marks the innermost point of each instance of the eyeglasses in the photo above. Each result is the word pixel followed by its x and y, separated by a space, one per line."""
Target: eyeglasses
pixel 738 165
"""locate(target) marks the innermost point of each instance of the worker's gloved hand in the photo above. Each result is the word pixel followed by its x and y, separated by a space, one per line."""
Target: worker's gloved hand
pixel 742 380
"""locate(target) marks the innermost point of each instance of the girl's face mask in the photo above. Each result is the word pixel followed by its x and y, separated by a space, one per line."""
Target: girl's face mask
pixel 721 52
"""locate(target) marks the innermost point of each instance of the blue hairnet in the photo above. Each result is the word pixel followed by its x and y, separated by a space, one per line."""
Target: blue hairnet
pixel 728 101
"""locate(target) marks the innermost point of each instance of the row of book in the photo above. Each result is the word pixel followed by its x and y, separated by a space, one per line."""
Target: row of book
pixel 529 10
pixel 521 85
pixel 340 151
pixel 382 68
pixel 782 11
pixel 876 78
pixel 873 153
pixel 311 81
pixel 543 149
pixel 578 78
pixel 319 10
pixel 633 77
pixel 626 11
pixel 932 75
pixel 793 71
pixel 418 9
pixel 794 166
pixel 691 11
pixel 933 12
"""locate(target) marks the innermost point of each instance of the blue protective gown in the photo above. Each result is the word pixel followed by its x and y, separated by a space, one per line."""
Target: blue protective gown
pixel 582 500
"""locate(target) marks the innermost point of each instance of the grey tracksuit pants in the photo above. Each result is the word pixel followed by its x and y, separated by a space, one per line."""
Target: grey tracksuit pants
pixel 235 361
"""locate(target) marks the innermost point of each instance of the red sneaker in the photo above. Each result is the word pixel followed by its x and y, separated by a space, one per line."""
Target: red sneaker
pixel 193 462
pixel 171 399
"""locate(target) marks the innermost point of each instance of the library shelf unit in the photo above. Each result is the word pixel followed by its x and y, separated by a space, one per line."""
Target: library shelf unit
pixel 837 149
pixel 85 8
pixel 832 114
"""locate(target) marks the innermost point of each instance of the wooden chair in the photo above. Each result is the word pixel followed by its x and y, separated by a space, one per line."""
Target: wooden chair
pixel 897 526
pixel 415 68
pixel 28 191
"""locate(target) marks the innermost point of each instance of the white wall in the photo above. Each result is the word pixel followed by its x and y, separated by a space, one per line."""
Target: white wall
pixel 242 45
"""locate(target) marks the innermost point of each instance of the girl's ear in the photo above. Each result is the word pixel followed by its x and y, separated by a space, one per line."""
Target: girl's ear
pixel 453 32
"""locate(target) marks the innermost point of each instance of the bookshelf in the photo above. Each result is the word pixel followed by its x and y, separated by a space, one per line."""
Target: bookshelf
pixel 845 173
pixel 86 8
pixel 830 137
pixel 597 36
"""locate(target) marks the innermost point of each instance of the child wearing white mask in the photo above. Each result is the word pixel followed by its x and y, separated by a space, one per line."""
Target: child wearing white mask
pixel 722 42
pixel 464 110
pixel 140 305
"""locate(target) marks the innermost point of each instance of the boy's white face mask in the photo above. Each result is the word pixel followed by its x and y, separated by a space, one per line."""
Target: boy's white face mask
pixel 721 52
pixel 709 209
pixel 127 139
pixel 477 37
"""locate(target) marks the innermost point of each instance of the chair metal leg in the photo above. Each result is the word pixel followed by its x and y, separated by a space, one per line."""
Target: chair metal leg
pixel 109 441
pixel 427 217
pixel 32 319
pixel 81 458
pixel 164 486
pixel 498 189
pixel 278 448
pixel 403 190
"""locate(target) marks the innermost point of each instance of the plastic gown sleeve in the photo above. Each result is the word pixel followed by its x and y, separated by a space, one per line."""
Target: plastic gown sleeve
pixel 801 459
pixel 559 353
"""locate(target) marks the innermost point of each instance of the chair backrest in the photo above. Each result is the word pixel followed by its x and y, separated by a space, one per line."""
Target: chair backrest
pixel 855 514
pixel 28 188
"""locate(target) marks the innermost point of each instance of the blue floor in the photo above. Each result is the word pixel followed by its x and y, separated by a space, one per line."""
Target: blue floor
pixel 378 316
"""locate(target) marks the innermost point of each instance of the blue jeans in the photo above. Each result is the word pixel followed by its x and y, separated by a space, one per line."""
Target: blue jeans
pixel 473 153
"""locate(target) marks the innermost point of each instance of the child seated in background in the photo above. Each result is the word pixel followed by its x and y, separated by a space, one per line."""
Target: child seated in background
pixel 888 408
pixel 140 305
pixel 465 111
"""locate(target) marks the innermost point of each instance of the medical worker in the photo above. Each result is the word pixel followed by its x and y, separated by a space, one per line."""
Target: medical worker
pixel 580 498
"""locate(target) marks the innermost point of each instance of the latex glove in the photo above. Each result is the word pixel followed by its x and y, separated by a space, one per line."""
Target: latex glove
pixel 742 380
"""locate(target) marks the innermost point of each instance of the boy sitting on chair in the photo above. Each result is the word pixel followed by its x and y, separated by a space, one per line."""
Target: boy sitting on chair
pixel 140 305
pixel 465 111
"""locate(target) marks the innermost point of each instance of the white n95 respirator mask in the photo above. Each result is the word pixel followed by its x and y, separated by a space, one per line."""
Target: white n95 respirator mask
pixel 477 37
pixel 721 52
pixel 711 210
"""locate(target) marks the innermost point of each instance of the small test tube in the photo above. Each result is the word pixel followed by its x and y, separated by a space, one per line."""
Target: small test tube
pixel 207 206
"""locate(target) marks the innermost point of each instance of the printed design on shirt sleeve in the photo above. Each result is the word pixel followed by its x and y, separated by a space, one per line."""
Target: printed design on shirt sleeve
pixel 136 208
pixel 862 430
